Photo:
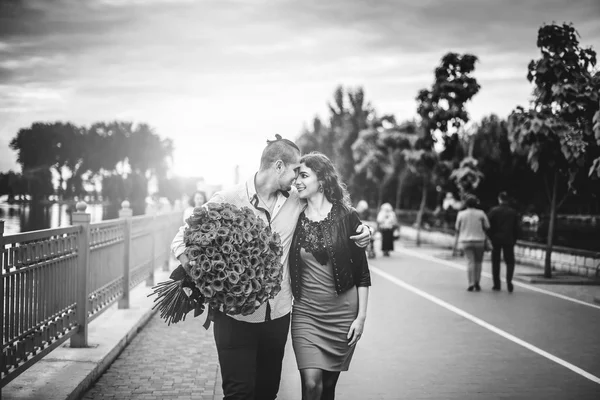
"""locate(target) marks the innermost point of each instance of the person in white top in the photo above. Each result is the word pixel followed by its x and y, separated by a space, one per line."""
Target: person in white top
pixel 387 224
pixel 197 200
pixel 471 227
pixel 250 348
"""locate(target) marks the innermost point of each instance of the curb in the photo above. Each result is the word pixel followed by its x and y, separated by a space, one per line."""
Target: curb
pixel 107 360
pixel 556 279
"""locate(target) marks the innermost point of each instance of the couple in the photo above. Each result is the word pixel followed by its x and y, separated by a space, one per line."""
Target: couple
pixel 325 269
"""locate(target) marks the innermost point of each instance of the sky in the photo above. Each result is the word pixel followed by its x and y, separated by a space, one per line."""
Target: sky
pixel 220 77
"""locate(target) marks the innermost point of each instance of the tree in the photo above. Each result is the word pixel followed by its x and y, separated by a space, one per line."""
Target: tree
pixel 467 176
pixel 378 154
pixel 558 129
pixel 443 106
pixel 36 149
pixel 147 153
pixel 13 185
pixel 487 142
pixel 371 159
pixel 422 162
pixel 318 138
pixel 443 111
pixel 346 122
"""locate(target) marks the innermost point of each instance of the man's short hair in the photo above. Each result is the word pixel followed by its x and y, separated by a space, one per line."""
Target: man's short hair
pixel 279 149
pixel 503 197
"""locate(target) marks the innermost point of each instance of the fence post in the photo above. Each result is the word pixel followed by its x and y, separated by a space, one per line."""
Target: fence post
pixel 81 218
pixel 125 213
pixel 150 280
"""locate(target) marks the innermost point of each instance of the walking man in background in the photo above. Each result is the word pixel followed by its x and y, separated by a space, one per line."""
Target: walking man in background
pixel 504 228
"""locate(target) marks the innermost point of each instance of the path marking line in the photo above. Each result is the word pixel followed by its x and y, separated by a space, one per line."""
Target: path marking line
pixel 488 275
pixel 484 324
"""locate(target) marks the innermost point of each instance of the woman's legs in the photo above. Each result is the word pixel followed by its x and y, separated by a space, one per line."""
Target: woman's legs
pixel 478 252
pixel 330 379
pixel 470 254
pixel 387 241
pixel 312 383
pixel 318 384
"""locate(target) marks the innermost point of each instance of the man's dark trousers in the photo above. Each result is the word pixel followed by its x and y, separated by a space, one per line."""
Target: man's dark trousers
pixel 250 356
pixel 508 250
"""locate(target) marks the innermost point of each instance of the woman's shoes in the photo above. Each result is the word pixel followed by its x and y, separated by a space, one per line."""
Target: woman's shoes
pixel 509 286
pixel 474 287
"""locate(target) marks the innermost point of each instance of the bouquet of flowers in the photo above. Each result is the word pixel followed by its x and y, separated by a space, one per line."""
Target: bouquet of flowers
pixel 234 264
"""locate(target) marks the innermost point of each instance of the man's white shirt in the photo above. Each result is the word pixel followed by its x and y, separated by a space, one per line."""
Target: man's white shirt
pixel 283 220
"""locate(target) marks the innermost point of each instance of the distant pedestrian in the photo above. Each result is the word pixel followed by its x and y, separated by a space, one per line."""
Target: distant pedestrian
pixel 362 208
pixel 387 223
pixel 504 229
pixel 196 200
pixel 471 227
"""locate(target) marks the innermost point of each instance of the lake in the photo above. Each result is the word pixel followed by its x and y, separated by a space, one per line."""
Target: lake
pixel 30 217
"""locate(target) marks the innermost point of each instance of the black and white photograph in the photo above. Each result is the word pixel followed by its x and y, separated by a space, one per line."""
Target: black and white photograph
pixel 300 200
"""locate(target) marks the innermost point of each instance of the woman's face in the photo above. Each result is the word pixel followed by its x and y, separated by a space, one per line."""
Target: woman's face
pixel 199 199
pixel 307 182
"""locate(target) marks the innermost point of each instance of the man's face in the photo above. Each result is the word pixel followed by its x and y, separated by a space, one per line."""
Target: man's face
pixel 288 174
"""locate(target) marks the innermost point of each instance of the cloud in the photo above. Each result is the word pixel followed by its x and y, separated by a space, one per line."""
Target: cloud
pixel 214 71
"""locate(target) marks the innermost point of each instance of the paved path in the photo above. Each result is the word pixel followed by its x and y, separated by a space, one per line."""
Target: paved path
pixel 425 338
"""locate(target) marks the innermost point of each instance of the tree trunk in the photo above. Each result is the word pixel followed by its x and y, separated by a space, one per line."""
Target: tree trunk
pixel 421 211
pixel 548 261
pixel 471 146
pixel 401 178
pixel 380 196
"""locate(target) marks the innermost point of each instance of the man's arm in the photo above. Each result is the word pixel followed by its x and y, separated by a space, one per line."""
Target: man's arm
pixel 178 245
pixel 457 223
pixel 491 216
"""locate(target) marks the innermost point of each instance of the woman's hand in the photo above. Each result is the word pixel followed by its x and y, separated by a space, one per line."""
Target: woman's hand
pixel 355 331
pixel 363 236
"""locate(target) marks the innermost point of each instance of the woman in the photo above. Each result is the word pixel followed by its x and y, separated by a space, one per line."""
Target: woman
pixel 471 227
pixel 330 279
pixel 387 223
pixel 196 200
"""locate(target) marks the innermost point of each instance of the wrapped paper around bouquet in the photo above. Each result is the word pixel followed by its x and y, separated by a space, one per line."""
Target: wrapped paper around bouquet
pixel 234 264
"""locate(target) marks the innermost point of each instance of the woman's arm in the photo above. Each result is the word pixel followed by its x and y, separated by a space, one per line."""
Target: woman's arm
pixel 356 329
pixel 457 223
pixel 486 223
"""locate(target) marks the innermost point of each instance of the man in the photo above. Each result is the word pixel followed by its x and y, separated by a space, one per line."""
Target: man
pixel 504 229
pixel 250 348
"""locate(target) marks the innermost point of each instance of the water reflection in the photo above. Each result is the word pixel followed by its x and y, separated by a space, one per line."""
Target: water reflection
pixel 35 216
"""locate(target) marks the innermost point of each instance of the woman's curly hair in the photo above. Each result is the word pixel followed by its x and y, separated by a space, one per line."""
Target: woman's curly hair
pixel 333 188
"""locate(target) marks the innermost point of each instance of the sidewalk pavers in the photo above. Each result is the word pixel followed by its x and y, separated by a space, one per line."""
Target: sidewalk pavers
pixel 163 362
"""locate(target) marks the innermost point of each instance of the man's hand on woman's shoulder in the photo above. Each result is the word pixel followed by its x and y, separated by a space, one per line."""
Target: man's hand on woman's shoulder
pixel 363 236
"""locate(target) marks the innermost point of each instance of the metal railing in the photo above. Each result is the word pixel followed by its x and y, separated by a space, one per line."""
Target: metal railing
pixel 56 281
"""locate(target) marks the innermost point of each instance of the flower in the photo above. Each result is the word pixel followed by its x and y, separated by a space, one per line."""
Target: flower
pixel 235 257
